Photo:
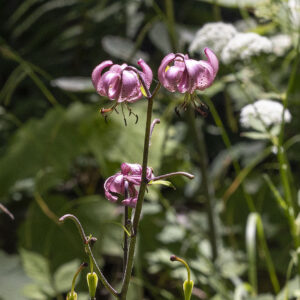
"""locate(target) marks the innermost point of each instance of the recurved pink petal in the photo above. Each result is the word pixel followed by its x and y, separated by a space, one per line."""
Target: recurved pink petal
pixel 131 169
pixel 147 72
pixel 109 85
pixel 130 89
pixel 96 74
pixel 172 78
pixel 206 75
pixel 183 85
pixel 193 69
pixel 212 59
pixel 162 68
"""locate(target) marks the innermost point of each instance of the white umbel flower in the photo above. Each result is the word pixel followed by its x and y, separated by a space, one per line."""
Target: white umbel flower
pixel 245 45
pixel 266 112
pixel 214 35
pixel 281 43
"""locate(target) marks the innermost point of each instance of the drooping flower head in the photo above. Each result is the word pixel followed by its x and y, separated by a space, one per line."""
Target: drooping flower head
pixel 128 178
pixel 121 83
pixel 177 72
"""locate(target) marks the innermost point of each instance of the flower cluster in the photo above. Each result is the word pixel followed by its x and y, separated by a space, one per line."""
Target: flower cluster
pixel 125 84
pixel 214 35
pixel 232 45
pixel 245 45
pixel 265 112
pixel 124 183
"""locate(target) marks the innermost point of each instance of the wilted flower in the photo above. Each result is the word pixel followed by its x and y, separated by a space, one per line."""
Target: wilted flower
pixel 245 45
pixel 186 75
pixel 214 35
pixel 120 83
pixel 129 177
pixel 264 112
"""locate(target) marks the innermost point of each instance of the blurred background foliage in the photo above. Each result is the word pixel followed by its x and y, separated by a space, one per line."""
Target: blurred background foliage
pixel 57 150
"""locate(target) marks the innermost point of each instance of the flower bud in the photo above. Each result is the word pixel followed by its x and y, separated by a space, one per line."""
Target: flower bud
pixel 188 284
pixel 72 296
pixel 187 289
pixel 92 281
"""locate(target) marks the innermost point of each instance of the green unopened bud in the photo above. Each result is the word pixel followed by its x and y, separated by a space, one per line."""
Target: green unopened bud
pixel 92 281
pixel 72 296
pixel 188 284
pixel 187 289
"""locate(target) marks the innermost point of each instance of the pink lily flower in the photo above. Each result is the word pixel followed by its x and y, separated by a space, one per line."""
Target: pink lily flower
pixel 129 177
pixel 120 83
pixel 178 72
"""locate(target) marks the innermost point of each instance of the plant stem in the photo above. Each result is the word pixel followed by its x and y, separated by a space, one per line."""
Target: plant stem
pixel 188 175
pixel 139 204
pixel 208 189
pixel 228 145
pixel 89 252
pixel 171 23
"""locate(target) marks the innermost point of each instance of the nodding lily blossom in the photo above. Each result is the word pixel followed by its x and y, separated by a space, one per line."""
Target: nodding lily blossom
pixel 129 177
pixel 121 83
pixel 178 72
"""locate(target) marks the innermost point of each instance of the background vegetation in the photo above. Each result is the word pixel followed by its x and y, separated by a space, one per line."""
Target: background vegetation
pixel 57 150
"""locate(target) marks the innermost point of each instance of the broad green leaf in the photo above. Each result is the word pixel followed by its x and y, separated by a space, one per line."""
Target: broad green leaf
pixel 12 277
pixel 36 266
pixel 63 276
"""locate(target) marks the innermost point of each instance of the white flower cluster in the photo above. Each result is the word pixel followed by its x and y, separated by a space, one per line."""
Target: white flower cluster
pixel 213 35
pixel 281 43
pixel 245 45
pixel 265 112
pixel 230 45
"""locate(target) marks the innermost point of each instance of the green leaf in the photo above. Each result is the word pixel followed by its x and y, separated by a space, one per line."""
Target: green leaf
pixel 255 135
pixel 64 275
pixel 12 277
pixel 163 182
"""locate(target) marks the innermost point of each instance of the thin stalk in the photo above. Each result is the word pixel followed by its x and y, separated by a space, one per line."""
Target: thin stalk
pixel 171 23
pixel 188 175
pixel 228 145
pixel 139 204
pixel 208 189
pixel 89 252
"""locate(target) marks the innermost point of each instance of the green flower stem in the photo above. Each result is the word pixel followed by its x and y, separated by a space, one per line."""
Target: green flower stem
pixel 188 175
pixel 228 145
pixel 82 266
pixel 208 188
pixel 138 208
pixel 127 218
pixel 171 23
pixel 89 252
pixel 176 258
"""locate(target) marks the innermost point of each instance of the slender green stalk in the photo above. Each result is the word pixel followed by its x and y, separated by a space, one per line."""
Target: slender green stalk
pixel 171 23
pixel 228 145
pixel 254 224
pixel 139 204
pixel 89 252
pixel 208 188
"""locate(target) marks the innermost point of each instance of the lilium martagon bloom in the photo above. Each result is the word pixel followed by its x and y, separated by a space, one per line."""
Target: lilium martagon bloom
pixel 121 84
pixel 178 72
